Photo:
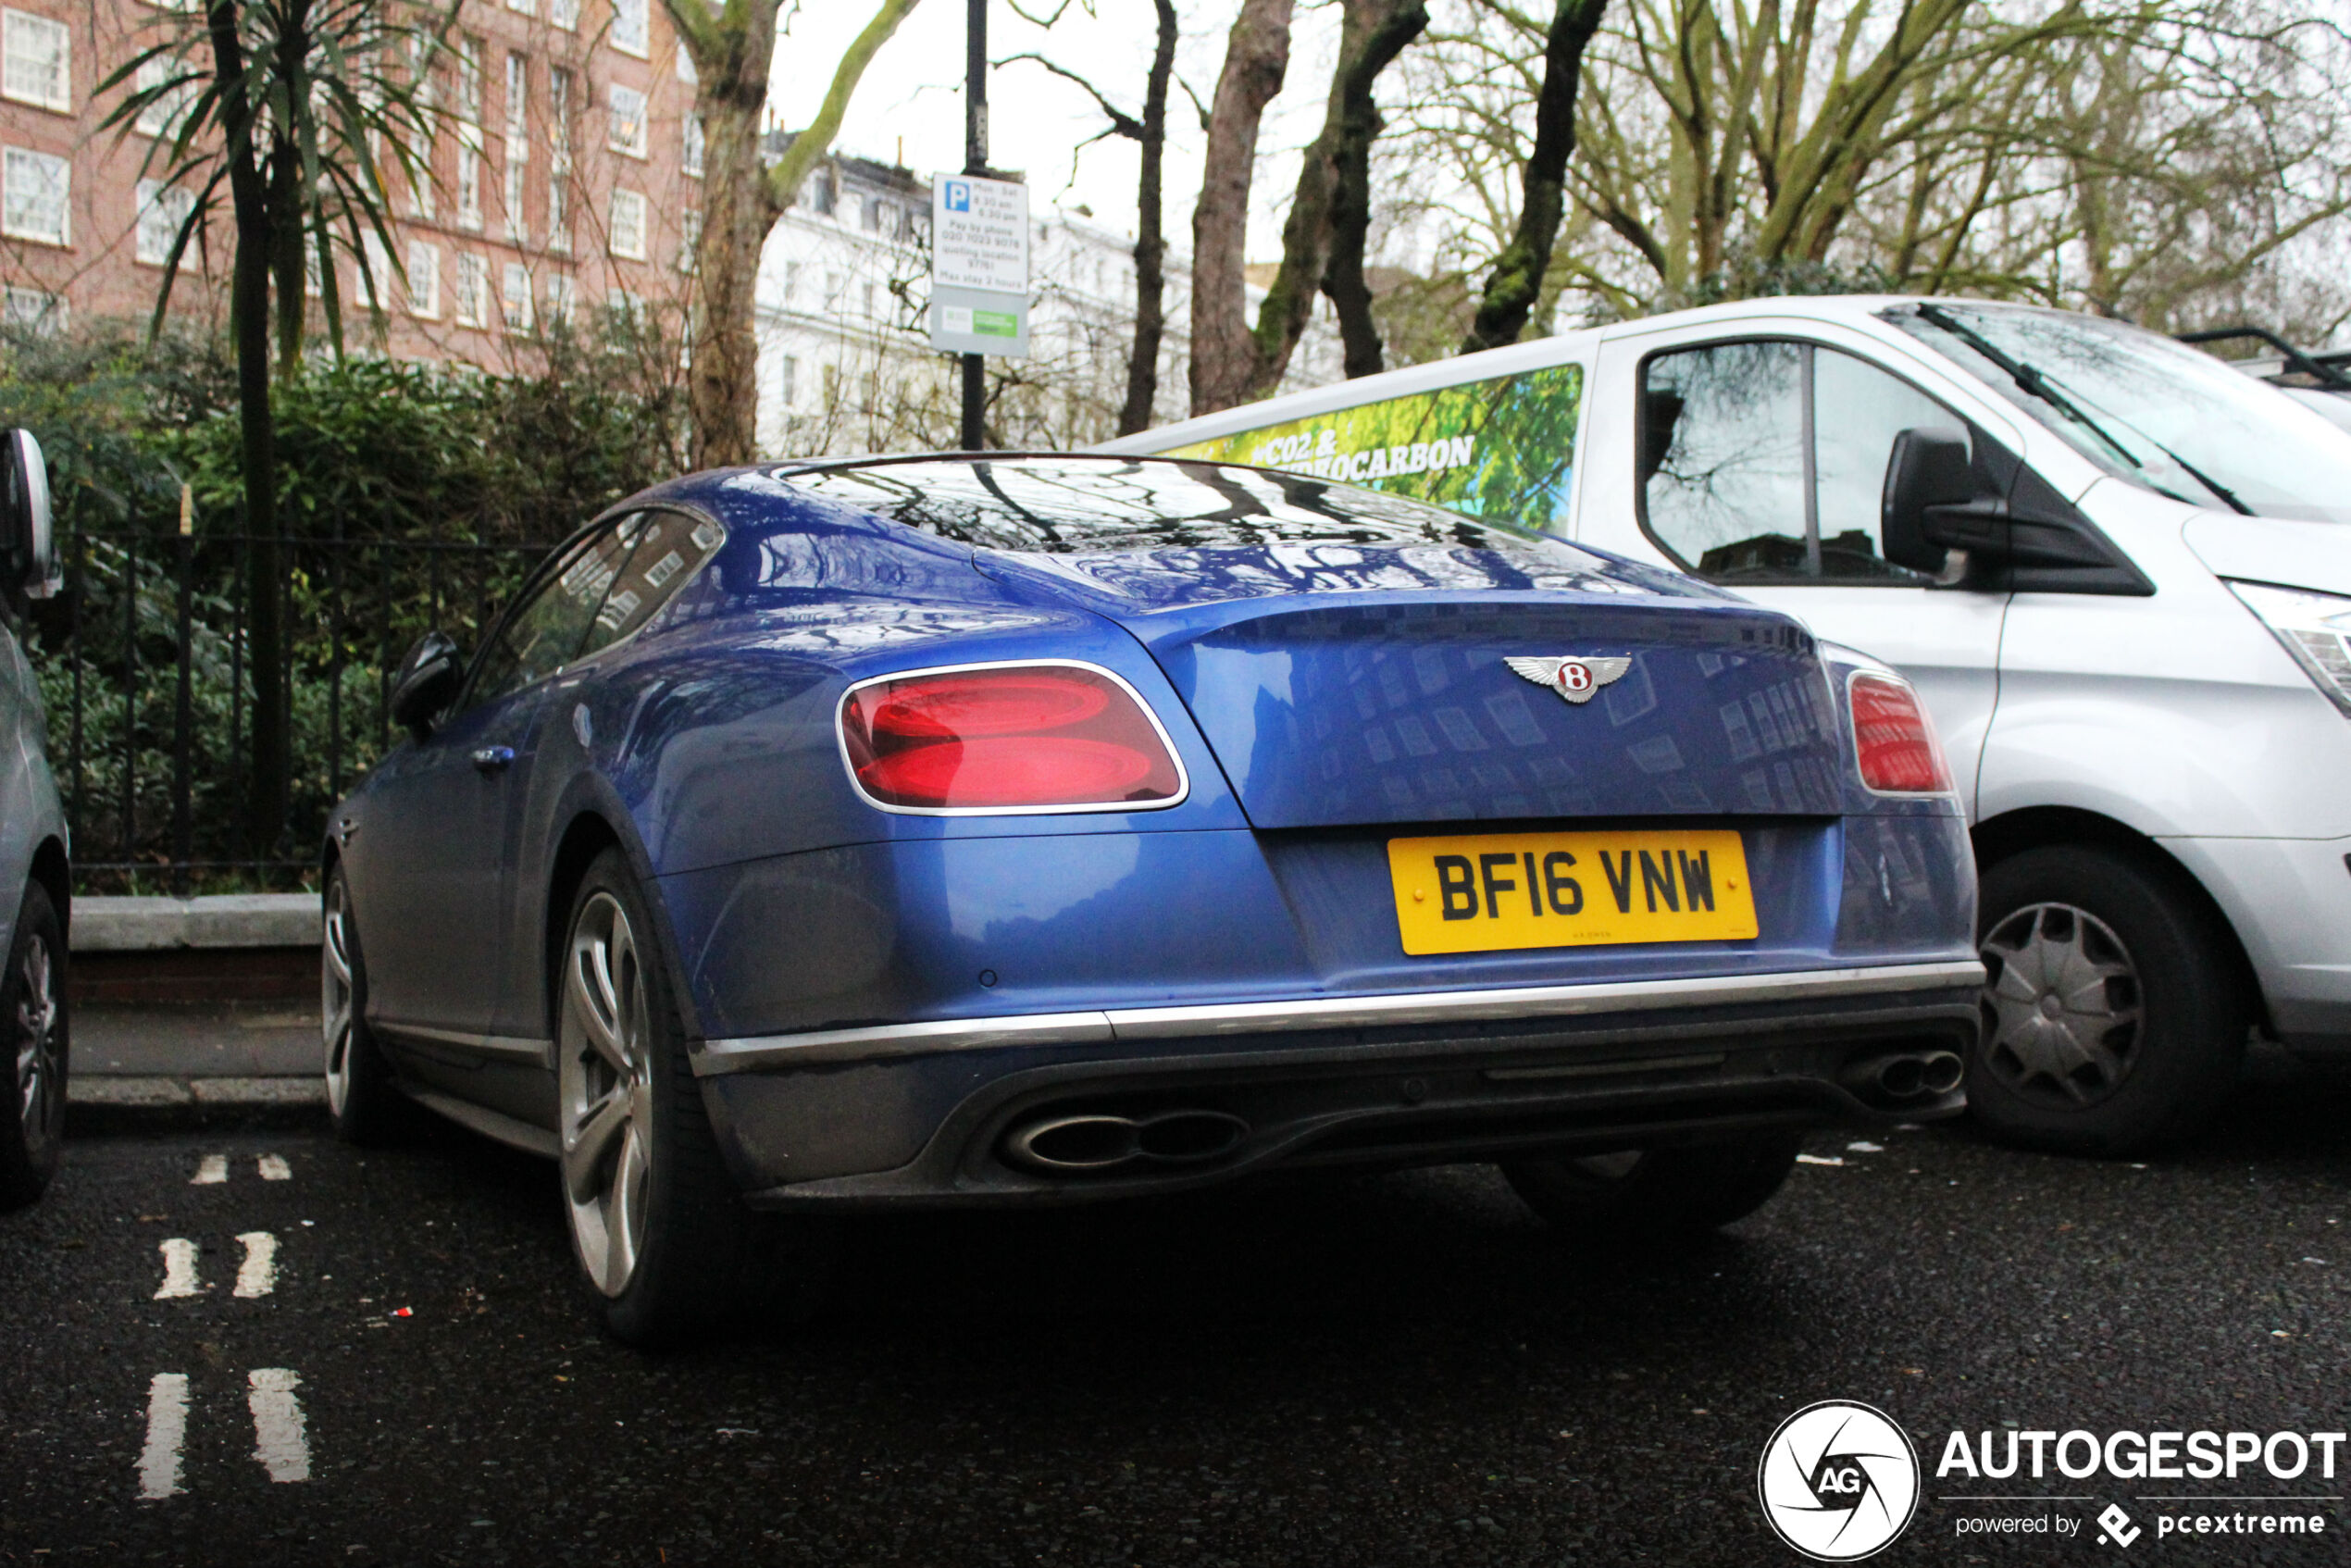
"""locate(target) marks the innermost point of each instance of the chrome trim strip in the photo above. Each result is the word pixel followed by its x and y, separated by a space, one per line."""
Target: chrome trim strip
pixel 539 1052
pixel 508 1130
pixel 891 1041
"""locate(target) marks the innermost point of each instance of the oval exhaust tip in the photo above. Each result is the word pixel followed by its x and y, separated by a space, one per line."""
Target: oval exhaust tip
pixel 1902 1076
pixel 1185 1138
pixel 1942 1071
pixel 1075 1143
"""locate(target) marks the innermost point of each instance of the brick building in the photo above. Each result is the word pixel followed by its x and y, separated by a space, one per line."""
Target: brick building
pixel 565 162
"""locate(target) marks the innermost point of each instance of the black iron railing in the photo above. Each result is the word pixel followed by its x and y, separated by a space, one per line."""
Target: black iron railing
pixel 145 663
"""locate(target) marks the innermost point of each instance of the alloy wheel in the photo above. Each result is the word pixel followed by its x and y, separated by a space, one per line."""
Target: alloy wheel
pixel 36 1025
pixel 2062 1003
pixel 605 1086
pixel 335 1020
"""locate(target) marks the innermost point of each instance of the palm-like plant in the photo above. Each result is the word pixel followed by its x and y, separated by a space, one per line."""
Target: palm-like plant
pixel 291 108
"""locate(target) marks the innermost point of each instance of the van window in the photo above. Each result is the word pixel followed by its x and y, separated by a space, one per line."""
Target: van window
pixel 1501 450
pixel 1764 461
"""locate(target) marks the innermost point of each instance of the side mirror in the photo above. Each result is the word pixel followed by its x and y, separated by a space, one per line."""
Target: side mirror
pixel 25 533
pixel 427 683
pixel 1935 502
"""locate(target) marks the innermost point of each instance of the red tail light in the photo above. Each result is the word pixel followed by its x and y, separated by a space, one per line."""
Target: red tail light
pixel 1893 739
pixel 1016 738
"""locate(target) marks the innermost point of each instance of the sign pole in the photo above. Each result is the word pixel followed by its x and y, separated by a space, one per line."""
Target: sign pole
pixel 975 367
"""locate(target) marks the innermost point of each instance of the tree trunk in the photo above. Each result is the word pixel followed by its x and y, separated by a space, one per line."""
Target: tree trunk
pixel 1223 351
pixel 249 327
pixel 1150 240
pixel 723 385
pixel 733 51
pixel 1387 27
pixel 1516 283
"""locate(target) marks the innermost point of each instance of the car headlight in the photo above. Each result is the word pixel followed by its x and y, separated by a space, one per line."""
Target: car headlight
pixel 2314 627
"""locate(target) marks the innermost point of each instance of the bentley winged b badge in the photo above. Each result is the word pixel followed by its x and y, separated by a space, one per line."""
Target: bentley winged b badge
pixel 1577 680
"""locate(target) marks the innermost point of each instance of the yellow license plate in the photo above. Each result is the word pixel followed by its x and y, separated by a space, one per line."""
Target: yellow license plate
pixel 1481 892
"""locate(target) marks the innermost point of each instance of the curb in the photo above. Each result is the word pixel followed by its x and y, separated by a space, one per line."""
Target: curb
pixel 100 1105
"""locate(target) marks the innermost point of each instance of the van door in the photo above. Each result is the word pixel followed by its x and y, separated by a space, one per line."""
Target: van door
pixel 1757 462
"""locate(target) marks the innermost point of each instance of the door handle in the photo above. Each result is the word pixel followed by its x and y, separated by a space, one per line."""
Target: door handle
pixel 493 759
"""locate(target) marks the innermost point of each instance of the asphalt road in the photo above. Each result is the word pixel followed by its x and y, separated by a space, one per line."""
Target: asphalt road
pixel 1400 1369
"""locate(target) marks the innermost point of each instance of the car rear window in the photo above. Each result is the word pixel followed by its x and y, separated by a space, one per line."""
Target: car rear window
pixel 1048 507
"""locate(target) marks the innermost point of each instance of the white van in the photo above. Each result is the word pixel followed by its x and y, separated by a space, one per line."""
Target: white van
pixel 2119 571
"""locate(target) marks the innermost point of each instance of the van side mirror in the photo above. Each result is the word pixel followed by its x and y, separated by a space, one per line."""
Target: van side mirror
pixel 26 536
pixel 1935 501
pixel 427 683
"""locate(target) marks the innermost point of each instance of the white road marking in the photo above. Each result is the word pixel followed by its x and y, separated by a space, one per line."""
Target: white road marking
pixel 178 1270
pixel 257 1275
pixel 166 1433
pixel 273 1167
pixel 280 1439
pixel 1818 1160
pixel 210 1171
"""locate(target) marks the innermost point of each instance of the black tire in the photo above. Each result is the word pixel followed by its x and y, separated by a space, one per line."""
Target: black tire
pixel 2135 1043
pixel 34 1014
pixel 1657 1195
pixel 362 1099
pixel 670 1251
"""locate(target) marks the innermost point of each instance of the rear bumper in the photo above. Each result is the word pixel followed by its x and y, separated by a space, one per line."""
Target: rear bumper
pixel 918 1115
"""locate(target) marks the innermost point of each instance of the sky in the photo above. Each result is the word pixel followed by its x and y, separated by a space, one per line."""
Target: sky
pixel 909 109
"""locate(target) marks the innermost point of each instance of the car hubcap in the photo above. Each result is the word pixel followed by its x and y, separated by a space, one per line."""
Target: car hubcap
pixel 2061 1005
pixel 606 1092
pixel 334 995
pixel 36 1037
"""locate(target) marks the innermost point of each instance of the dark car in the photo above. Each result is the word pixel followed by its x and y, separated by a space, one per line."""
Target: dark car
pixel 954 830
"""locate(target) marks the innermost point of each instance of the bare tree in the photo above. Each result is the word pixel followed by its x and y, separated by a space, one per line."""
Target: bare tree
pixel 733 48
pixel 1150 133
pixel 1256 60
pixel 1516 283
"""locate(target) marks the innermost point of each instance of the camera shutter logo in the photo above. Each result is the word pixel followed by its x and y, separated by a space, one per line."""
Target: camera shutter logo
pixel 1838 1481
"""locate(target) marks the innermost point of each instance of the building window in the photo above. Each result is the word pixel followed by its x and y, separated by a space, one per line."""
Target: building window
pixel 789 385
pixel 473 290
pixel 689 160
pixel 375 272
pixel 630 33
pixel 689 241
pixel 468 183
pixel 160 116
pixel 40 63
pixel 518 222
pixel 870 219
pixel 832 291
pixel 35 191
pixel 420 181
pixel 686 72
pixel 559 212
pixel 628 225
pixel 820 195
pixel 163 211
pixel 563 14
pixel 527 7
pixel 791 284
pixel 627 134
pixel 561 299
pixel 514 301
pixel 517 107
pixel 30 310
pixel 865 295
pixel 469 79
pixel 424 280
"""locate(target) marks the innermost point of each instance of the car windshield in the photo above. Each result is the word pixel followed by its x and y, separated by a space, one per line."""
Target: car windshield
pixel 2152 410
pixel 1080 507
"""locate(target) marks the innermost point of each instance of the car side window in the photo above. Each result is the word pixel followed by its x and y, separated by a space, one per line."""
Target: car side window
pixel 664 550
pixel 546 632
pixel 1765 461
pixel 1723 459
pixel 1857 411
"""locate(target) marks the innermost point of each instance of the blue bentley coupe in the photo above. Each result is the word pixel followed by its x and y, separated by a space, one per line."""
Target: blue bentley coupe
pixel 1039 829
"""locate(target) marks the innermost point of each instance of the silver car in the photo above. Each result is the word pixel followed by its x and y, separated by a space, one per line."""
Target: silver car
pixel 34 881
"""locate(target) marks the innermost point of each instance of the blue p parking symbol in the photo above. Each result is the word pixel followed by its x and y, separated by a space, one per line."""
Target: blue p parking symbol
pixel 959 197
